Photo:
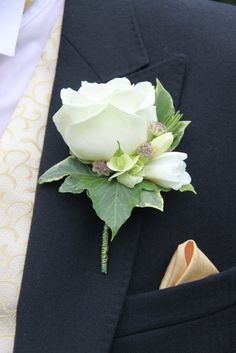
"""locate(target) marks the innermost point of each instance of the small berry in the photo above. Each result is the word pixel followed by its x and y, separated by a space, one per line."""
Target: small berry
pixel 145 150
pixel 157 128
pixel 101 168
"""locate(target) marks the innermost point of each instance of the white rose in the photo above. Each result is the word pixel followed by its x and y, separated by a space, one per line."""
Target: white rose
pixel 95 117
pixel 168 170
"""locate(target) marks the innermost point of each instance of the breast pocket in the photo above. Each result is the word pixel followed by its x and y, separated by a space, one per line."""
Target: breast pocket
pixel 198 317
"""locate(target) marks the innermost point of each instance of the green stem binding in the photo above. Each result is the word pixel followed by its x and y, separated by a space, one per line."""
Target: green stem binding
pixel 105 247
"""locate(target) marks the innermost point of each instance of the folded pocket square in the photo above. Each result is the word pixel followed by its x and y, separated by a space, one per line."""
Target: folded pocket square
pixel 188 264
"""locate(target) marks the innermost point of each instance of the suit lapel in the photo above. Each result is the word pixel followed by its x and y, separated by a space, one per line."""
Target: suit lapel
pixel 66 305
pixel 110 40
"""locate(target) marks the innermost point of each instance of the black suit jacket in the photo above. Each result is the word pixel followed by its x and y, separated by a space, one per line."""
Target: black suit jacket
pixel 66 305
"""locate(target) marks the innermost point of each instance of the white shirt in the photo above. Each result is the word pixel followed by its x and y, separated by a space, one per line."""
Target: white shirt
pixel 11 13
pixel 22 36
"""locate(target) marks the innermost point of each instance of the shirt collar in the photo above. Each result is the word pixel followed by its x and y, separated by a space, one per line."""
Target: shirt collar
pixel 11 12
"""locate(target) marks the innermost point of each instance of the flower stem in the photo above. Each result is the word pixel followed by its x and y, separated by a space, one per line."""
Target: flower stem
pixel 105 247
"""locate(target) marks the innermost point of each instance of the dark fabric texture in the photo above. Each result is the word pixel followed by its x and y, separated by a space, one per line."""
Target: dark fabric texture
pixel 191 318
pixel 66 305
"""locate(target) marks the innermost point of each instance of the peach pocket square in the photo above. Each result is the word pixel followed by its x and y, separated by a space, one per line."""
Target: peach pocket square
pixel 188 264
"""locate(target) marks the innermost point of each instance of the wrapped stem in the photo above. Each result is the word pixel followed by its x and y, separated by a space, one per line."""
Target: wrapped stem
pixel 105 248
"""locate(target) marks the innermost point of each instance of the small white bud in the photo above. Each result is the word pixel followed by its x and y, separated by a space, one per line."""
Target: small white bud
pixel 162 143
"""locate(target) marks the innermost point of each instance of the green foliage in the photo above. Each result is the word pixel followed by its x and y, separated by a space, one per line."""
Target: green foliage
pixel 69 166
pixel 177 127
pixel 112 201
pixel 71 184
pixel 151 199
pixel 188 187
pixel 166 115
pixel 164 103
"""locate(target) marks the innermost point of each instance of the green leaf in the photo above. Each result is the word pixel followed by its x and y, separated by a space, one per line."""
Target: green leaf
pixel 119 151
pixel 166 115
pixel 71 185
pixel 177 127
pixel 164 103
pixel 188 187
pixel 150 186
pixel 179 133
pixel 173 121
pixel 112 201
pixel 68 166
pixel 151 199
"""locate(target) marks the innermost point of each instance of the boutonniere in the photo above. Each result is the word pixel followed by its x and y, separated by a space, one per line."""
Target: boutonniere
pixel 122 139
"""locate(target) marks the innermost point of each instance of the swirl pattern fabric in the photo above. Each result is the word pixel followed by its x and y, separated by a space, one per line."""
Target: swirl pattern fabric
pixel 20 153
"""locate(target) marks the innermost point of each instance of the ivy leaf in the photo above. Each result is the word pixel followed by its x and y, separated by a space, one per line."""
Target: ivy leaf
pixel 71 185
pixel 112 201
pixel 151 199
pixel 150 186
pixel 68 166
pixel 188 187
pixel 164 103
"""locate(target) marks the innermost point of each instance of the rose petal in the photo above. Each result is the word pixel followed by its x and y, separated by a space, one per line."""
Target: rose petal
pixel 96 139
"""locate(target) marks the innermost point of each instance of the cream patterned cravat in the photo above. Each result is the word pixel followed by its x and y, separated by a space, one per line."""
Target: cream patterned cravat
pixel 20 153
